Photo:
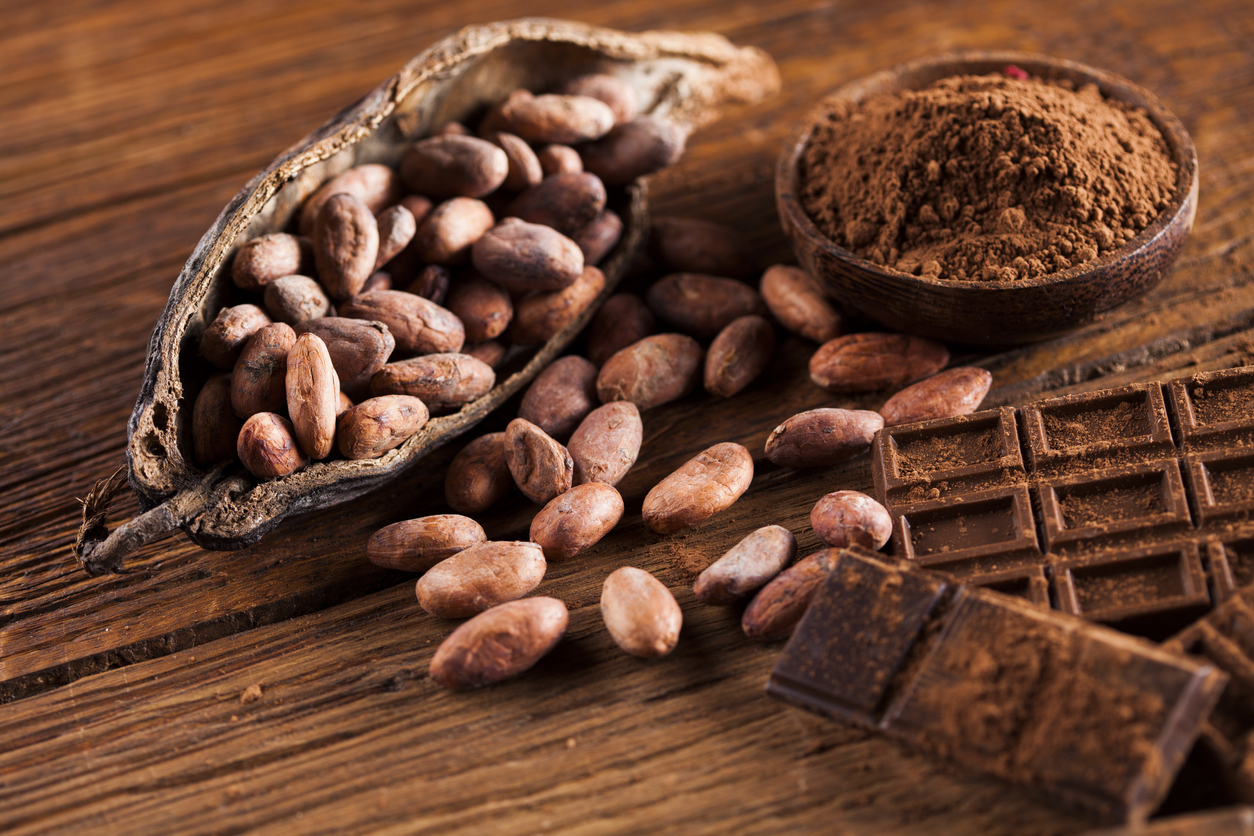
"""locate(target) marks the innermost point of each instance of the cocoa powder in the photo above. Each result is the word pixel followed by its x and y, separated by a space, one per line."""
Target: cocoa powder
pixel 985 177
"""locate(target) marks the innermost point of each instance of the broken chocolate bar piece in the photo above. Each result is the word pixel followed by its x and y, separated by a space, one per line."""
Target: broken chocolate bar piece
pixel 1229 821
pixel 1136 504
pixel 1089 716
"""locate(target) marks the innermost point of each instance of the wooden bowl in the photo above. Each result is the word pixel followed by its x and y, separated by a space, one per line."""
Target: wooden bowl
pixel 988 313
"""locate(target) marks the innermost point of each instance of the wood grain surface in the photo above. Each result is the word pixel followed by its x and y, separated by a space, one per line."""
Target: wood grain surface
pixel 130 124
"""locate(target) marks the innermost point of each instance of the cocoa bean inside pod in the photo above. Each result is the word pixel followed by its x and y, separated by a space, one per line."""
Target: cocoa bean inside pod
pixel 451 229
pixel 634 149
pixel 622 98
pixel 454 166
pixel 703 486
pixel 442 381
pixel 524 165
pixel 417 545
pixel 599 236
pixel 525 256
pixel 267 446
pixel 346 245
pixel 378 425
pixel 479 577
pixel 294 299
pixel 559 159
pixel 215 426
pixel 484 307
pixel 418 325
pixel 312 395
pixel 263 259
pixel 397 226
pixel 377 186
pixel 540 315
pixel 358 349
pixel 566 202
pixel 499 643
pixel 226 336
pixel 557 118
pixel 259 379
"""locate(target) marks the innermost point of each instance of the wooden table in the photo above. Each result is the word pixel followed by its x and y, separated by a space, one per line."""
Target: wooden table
pixel 128 125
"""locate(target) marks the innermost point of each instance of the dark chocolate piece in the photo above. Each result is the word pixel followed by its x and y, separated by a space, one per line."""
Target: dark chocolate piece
pixel 1230 821
pixel 1089 716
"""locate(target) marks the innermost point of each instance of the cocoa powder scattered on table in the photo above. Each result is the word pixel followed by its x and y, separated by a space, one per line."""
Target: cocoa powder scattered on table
pixel 985 177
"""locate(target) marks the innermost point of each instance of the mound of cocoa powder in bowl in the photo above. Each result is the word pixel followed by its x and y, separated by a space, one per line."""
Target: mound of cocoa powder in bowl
pixel 985 177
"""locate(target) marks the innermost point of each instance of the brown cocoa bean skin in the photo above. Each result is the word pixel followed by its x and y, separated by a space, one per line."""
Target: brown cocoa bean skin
pixel 598 237
pixel 266 258
pixel 640 613
pixel 542 468
pixel 822 437
pixel 566 202
pixel 450 165
pixel 267 446
pixel 797 303
pixel 478 476
pixel 451 229
pixel 346 245
pixel 873 361
pixel 397 226
pixel 539 316
pixel 378 425
pixel 774 612
pixel 561 396
pixel 375 185
pixel 259 379
pixel 418 325
pixel 498 644
pixel 576 520
pixel 623 319
pixel 358 349
pixel 524 256
pixel 739 353
pixel 483 306
pixel 559 159
pixel 953 392
pixel 443 381
pixel 294 299
pixel 524 166
pixel 452 129
pixel 692 245
pixel 699 305
pixel 703 486
pixel 226 336
pixel 344 405
pixel 215 426
pixel 566 120
pixel 417 545
pixel 479 577
pixel 747 566
pixel 379 280
pixel 312 395
pixel 491 352
pixel 606 443
pixel 634 149
pixel 618 94
pixel 432 283
pixel 847 518
pixel 652 371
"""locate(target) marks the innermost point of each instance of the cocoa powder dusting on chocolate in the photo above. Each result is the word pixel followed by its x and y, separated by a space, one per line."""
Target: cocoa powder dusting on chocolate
pixel 985 177
pixel 946 452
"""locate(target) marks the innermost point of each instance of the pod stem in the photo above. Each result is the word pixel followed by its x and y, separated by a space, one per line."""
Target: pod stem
pixel 98 550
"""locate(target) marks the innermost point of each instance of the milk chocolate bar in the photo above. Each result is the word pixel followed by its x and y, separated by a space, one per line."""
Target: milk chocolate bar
pixel 1090 716
pixel 1230 821
pixel 1131 506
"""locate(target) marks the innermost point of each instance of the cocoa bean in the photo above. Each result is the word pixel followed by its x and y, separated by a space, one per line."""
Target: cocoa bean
pixel 566 202
pixel 418 206
pixel 692 245
pixel 634 149
pixel 478 476
pixel 951 393
pixel 775 610
pixel 623 319
pixel 451 229
pixel 703 486
pixel 540 316
pixel 450 165
pixel 559 159
pixel 417 545
pixel 747 566
pixel 524 256
pixel 870 362
pixel 499 643
pixel 443 381
pixel 599 236
pixel 576 520
pixel 847 518
pixel 641 614
pixel 267 446
pixel 358 348
pixel 621 96
pixel 542 468
pixel 259 379
pixel 379 280
pixel 524 166
pixel 226 336
pixel 418 325
pixel 294 299
pixel 375 185
pixel 739 353
pixel 346 245
pixel 491 352
pixel 397 226
pixel 561 396
pixel 266 258
pixel 483 306
pixel 651 371
pixel 452 129
pixel 556 118
pixel 344 404
pixel 606 443
pixel 797 302
pixel 432 283
pixel 700 305
pixel 215 426
pixel 479 577
pixel 822 437
pixel 377 425
pixel 312 395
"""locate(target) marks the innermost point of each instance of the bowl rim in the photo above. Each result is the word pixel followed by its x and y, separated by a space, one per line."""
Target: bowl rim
pixel 1179 144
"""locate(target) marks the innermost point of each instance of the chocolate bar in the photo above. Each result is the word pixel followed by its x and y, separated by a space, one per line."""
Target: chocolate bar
pixel 1131 506
pixel 1088 715
pixel 1230 821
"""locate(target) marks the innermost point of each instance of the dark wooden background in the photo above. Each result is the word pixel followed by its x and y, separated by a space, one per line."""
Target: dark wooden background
pixel 124 129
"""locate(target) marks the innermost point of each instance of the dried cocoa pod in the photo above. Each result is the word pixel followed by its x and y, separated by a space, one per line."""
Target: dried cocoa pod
pixel 774 612
pixel 265 258
pixel 227 335
pixel 432 283
pixel 605 445
pixel 822 437
pixel 576 520
pixel 524 166
pixel 313 391
pixel 540 315
pixel 417 545
pixel 499 643
pixel 491 352
pixel 561 396
pixel 848 518
pixel 358 348
pixel 566 202
pixel 294 299
pixel 346 245
pixel 700 305
pixel 747 566
pixel 693 245
pixel 479 577
pixel 542 468
pixel 418 325
pixel 397 226
pixel 703 486
pixel 378 425
pixel 623 319
pixel 797 303
pixel 615 92
pixel 651 371
pixel 597 237
pixel 524 256
pixel 450 165
pixel 870 362
pixel 634 149
pixel 478 476
pixel 483 306
pixel 641 614
pixel 451 229
pixel 377 186
pixel 950 393
pixel 555 118
pixel 559 159
pixel 215 426
pixel 259 379
pixel 267 446
pixel 443 381
pixel 739 353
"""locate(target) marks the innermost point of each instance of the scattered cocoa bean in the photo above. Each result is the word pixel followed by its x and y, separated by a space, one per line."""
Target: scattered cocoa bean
pixel 344 404
pixel 797 302
pixel 215 426
pixel 259 379
pixel 623 319
pixel 491 352
pixel 266 258
pixel 379 280
pixel 479 577
pixel 418 325
pixel 651 371
pixel 822 437
pixel 417 545
pixel 524 165
pixel 692 245
pixel 641 614
pixel 397 226
pixel 576 520
pixel 483 306
pixel 478 476
pixel 418 206
pixel 542 468
pixel 524 256
pixel 700 305
pixel 951 393
pixel 739 353
pixel 541 315
pixel 432 283
pixel 226 336
pixel 605 445
pixel 747 566
pixel 634 149
pixel 375 185
pixel 294 299
pixel 451 229
pixel 451 165
pixel 566 202
pixel 559 159
pixel 775 610
pixel 556 118
pixel 870 362
pixel 561 396
pixel 499 643
pixel 267 446
pixel 599 236
pixel 312 395
pixel 443 381
pixel 703 486
pixel 358 349
pixel 346 245
pixel 847 518
pixel 618 94
pixel 377 425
